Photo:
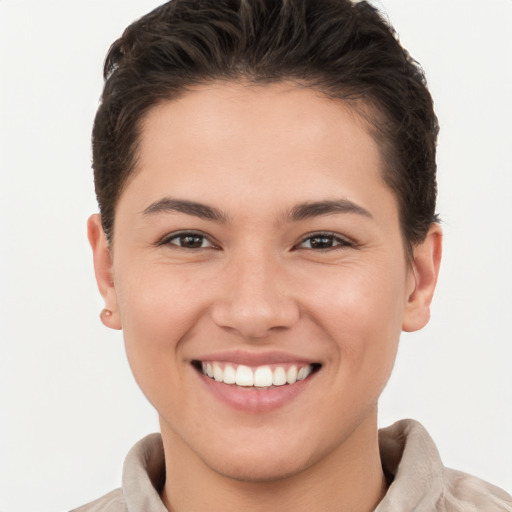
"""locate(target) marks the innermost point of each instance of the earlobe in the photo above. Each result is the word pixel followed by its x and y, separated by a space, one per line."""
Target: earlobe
pixel 425 269
pixel 103 271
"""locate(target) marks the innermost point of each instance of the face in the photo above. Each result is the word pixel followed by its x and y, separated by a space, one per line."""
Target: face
pixel 258 272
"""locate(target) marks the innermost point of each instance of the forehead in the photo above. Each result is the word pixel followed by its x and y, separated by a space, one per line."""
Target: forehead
pixel 244 109
pixel 249 124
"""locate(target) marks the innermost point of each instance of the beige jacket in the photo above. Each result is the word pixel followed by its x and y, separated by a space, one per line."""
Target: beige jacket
pixel 409 457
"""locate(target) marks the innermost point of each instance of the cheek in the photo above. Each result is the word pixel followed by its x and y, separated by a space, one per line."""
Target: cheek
pixel 159 310
pixel 155 298
pixel 362 312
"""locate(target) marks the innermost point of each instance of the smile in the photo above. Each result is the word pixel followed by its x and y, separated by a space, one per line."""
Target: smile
pixel 262 377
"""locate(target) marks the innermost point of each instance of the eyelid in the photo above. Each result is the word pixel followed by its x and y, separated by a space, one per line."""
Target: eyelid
pixel 344 241
pixel 167 239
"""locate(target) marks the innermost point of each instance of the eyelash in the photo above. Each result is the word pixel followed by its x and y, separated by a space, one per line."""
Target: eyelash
pixel 337 242
pixel 168 240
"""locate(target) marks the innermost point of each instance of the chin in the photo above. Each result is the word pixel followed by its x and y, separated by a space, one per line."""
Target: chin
pixel 260 469
pixel 264 458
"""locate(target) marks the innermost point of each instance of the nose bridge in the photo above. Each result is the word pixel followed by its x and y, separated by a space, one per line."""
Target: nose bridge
pixel 255 299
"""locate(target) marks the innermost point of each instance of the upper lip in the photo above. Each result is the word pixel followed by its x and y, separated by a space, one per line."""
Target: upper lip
pixel 255 358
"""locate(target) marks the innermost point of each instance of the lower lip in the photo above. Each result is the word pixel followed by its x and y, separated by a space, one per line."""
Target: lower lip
pixel 255 400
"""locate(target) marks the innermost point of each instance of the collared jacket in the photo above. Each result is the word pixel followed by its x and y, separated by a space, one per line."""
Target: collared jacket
pixel 419 481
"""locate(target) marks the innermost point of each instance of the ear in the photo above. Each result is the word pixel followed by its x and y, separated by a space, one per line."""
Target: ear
pixel 103 270
pixel 425 270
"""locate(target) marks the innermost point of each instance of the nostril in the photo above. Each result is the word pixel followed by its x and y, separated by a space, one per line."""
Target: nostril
pixel 253 320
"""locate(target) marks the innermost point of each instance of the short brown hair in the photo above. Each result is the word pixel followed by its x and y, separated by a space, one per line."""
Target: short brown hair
pixel 344 49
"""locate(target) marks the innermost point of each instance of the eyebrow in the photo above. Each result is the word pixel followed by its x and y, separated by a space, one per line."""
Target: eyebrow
pixel 169 205
pixel 314 209
pixel 299 212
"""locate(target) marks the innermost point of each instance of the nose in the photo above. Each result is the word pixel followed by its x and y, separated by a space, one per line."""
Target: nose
pixel 255 298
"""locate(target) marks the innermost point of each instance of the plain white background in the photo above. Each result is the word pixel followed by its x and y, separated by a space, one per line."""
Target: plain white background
pixel 69 408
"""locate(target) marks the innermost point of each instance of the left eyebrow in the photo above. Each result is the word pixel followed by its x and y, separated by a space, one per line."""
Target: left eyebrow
pixel 317 208
pixel 169 205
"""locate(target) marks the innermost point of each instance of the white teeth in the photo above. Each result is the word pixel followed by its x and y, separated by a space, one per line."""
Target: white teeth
pixel 244 376
pixel 263 377
pixel 304 372
pixel 218 374
pixel 260 377
pixel 229 375
pixel 279 376
pixel 291 375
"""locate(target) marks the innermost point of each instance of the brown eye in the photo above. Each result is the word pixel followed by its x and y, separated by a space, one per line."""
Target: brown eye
pixel 321 242
pixel 189 241
pixel 324 241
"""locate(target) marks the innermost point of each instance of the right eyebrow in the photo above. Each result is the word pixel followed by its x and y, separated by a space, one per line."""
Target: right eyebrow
pixel 170 205
pixel 312 209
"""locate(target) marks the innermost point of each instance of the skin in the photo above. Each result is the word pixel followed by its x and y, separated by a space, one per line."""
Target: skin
pixel 257 286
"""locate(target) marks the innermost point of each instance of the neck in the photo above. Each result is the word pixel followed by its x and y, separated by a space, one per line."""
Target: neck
pixel 350 478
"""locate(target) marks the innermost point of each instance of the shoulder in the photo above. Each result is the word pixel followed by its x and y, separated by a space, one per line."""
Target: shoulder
pixel 462 491
pixel 143 478
pixel 111 502
pixel 419 481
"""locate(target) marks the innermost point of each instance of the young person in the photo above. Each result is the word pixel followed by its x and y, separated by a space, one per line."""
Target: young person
pixel 265 172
